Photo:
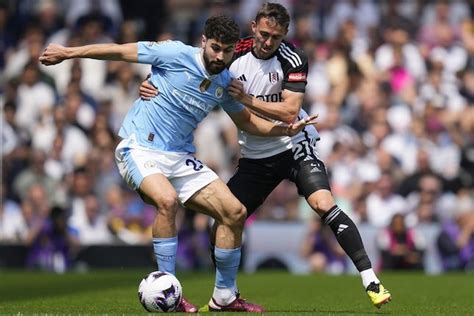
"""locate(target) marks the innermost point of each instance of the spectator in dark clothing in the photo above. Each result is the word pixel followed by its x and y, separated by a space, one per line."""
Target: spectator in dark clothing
pixel 400 247
pixel 53 244
pixel 412 183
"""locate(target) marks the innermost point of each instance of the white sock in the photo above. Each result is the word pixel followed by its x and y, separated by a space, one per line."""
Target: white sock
pixel 223 296
pixel 368 276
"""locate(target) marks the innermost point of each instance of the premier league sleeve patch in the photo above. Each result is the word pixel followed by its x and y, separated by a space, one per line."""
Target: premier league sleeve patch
pixel 296 76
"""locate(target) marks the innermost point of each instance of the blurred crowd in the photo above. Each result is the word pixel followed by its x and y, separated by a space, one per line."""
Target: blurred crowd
pixel 392 82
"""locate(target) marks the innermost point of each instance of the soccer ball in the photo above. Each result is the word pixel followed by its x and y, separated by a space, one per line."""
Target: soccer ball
pixel 159 292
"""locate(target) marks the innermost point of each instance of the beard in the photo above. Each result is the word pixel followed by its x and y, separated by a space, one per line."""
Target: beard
pixel 213 67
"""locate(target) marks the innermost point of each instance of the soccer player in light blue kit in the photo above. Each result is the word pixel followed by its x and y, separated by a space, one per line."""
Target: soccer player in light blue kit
pixel 155 156
pixel 271 82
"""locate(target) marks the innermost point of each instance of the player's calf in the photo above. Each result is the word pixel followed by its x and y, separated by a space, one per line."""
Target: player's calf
pixel 348 236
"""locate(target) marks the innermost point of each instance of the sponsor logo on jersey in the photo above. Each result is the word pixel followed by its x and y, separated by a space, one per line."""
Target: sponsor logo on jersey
pixel 192 104
pixel 297 76
pixel 274 97
pixel 205 84
pixel 219 92
pixel 273 77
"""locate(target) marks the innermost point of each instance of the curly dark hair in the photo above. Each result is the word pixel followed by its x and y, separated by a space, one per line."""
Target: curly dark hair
pixel 275 12
pixel 222 28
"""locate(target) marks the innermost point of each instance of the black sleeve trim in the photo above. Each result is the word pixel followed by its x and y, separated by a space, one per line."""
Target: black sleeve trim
pixel 294 64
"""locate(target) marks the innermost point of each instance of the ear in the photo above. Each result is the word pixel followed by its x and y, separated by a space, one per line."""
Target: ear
pixel 253 25
pixel 203 41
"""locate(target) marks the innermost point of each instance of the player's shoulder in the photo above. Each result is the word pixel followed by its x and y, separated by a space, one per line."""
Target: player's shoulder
pixel 183 51
pixel 177 47
pixel 175 44
pixel 161 43
pixel 243 46
pixel 180 46
pixel 290 55
pixel 289 47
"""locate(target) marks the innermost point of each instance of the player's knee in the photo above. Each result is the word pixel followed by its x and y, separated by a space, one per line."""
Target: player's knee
pixel 325 205
pixel 236 214
pixel 321 201
pixel 167 205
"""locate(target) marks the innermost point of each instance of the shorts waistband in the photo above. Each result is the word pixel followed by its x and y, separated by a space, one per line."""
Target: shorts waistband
pixel 273 158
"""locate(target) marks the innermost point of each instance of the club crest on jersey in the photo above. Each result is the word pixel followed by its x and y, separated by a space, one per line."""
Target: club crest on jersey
pixel 150 164
pixel 219 92
pixel 273 77
pixel 205 84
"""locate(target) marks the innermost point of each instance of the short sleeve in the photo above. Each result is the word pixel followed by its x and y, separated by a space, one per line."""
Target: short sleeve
pixel 157 53
pixel 232 106
pixel 229 104
pixel 295 67
pixel 296 80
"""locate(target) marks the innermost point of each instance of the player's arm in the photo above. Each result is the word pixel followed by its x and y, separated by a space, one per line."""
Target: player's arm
pixel 255 125
pixel 54 53
pixel 285 111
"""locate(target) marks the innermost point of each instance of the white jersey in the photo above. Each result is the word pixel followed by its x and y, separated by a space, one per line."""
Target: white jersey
pixel 266 79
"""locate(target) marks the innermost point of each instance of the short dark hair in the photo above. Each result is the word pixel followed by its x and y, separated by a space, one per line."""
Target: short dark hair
pixel 222 28
pixel 275 12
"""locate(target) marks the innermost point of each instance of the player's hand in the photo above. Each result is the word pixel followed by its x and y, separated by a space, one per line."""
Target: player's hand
pixel 298 126
pixel 147 90
pixel 53 54
pixel 236 90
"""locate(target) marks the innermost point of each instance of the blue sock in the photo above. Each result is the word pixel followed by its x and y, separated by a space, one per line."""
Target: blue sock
pixel 227 264
pixel 165 253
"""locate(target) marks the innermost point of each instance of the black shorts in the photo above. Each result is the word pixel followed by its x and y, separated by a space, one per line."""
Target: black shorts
pixel 255 179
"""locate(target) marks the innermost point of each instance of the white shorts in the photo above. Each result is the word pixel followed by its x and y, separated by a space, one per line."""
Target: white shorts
pixel 186 173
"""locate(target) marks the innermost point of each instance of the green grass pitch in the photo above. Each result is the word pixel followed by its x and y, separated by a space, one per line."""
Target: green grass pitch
pixel 114 292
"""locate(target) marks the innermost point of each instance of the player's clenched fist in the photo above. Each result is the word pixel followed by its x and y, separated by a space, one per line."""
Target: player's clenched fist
pixel 53 54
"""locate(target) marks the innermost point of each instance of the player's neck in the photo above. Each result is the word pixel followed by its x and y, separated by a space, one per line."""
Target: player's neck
pixel 255 54
pixel 203 64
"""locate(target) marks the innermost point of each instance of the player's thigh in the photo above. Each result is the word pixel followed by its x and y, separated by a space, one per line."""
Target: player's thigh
pixel 143 171
pixel 157 189
pixel 217 201
pixel 309 175
pixel 190 175
pixel 253 182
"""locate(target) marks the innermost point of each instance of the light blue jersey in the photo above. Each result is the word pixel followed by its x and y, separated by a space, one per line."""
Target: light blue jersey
pixel 187 93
